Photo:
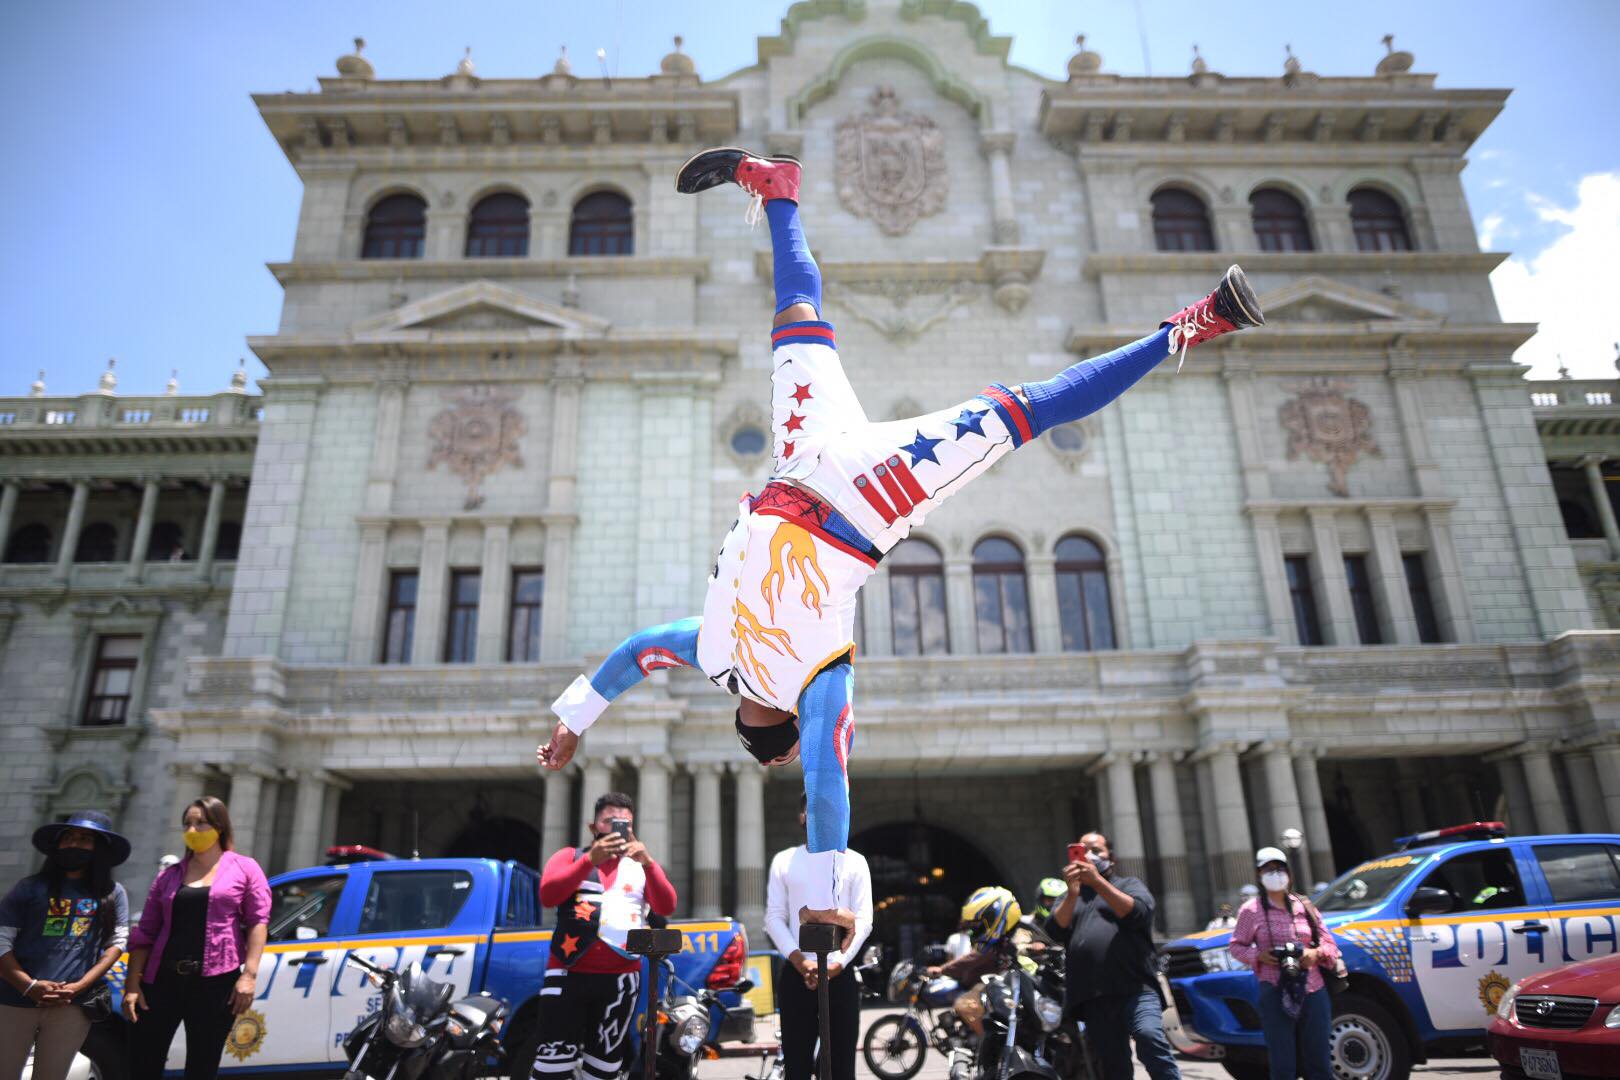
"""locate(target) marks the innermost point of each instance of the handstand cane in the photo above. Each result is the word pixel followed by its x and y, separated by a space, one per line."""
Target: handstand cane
pixel 821 939
pixel 654 945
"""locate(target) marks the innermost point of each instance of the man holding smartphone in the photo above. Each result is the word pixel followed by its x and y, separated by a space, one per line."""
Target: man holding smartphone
pixel 601 893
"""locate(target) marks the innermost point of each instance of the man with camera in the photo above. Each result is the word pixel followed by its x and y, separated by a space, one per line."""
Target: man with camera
pixel 1110 982
pixel 601 893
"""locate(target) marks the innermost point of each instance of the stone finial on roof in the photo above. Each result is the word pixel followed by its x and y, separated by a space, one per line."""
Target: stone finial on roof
pixel 562 66
pixel 1563 368
pixel 1198 64
pixel 174 383
pixel 1393 62
pixel 1084 62
pixel 465 65
pixel 677 62
pixel 355 66
pixel 239 378
pixel 38 387
pixel 109 381
pixel 1291 66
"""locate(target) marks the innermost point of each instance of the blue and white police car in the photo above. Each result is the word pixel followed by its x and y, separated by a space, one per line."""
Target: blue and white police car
pixel 1433 935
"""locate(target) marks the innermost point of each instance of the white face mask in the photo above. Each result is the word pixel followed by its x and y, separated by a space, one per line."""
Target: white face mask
pixel 1275 880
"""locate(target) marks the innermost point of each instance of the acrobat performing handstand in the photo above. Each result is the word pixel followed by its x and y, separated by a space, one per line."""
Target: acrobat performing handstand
pixel 777 627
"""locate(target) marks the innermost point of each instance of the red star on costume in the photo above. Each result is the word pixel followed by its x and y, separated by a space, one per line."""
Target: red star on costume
pixel 802 392
pixel 794 422
pixel 569 945
pixel 787 449
pixel 583 910
pixel 626 887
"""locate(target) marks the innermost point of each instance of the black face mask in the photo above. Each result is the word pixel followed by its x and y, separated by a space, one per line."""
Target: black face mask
pixel 73 858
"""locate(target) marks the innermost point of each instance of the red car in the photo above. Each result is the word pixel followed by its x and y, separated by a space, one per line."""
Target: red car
pixel 1561 1024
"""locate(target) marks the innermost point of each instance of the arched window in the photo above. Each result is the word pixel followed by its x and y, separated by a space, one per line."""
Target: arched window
pixel 602 225
pixel 1181 221
pixel 166 542
pixel 30 544
pixel 1279 221
pixel 395 228
pixel 1085 610
pixel 1000 597
pixel 917 599
pixel 229 544
pixel 1378 222
pixel 499 226
pixel 97 543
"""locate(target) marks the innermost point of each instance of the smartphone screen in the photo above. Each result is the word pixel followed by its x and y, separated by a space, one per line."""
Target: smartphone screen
pixel 622 827
pixel 1077 853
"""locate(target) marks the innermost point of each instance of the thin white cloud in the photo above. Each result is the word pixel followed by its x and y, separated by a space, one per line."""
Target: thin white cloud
pixel 1490 230
pixel 1571 286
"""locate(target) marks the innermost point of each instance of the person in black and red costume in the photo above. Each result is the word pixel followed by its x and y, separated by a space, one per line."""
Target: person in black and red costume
pixel 601 893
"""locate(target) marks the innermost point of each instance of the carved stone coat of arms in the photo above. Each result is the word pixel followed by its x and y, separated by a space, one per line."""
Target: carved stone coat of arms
pixel 477 434
pixel 891 165
pixel 1326 426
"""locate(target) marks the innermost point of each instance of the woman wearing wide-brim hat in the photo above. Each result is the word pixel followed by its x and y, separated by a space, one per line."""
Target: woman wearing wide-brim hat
pixel 60 931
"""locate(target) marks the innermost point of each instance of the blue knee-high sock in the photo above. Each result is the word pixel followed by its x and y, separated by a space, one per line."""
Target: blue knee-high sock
pixel 826 733
pixel 798 279
pixel 1081 389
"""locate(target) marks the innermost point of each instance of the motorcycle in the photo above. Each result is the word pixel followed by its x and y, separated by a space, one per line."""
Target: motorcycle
pixel 1026 1035
pixel 419 1034
pixel 688 1022
pixel 896 1043
pixel 869 973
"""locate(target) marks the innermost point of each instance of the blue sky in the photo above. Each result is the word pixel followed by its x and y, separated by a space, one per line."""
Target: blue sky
pixel 143 195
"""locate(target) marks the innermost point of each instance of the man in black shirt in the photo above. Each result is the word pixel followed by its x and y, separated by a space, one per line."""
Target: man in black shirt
pixel 1111 983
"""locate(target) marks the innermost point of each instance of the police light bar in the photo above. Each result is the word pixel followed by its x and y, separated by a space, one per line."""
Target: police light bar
pixel 1474 830
pixel 339 854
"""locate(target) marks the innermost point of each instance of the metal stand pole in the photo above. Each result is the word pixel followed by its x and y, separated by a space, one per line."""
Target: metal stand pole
pixel 822 939
pixel 654 945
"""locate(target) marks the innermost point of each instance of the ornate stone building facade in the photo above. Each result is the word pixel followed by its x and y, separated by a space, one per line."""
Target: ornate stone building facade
pixel 519 384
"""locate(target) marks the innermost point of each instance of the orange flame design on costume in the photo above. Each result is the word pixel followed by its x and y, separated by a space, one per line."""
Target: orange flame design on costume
pixel 795 544
pixel 750 630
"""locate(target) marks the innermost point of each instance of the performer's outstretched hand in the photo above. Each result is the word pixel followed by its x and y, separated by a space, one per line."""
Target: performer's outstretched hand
pixel 840 917
pixel 560 750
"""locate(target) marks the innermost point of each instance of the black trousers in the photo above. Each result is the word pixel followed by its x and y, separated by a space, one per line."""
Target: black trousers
pixel 584 1018
pixel 801 1023
pixel 203 1004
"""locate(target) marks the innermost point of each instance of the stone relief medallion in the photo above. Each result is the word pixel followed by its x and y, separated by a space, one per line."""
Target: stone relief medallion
pixel 1326 426
pixel 891 165
pixel 477 434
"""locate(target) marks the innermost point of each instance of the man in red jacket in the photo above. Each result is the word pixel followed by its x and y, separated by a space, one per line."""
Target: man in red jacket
pixel 601 893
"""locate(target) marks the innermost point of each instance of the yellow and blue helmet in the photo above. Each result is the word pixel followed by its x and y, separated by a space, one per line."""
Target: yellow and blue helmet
pixel 990 914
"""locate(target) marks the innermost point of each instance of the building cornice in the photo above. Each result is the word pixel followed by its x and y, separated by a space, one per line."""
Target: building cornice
pixel 1363 345
pixel 1294 262
pixel 609 266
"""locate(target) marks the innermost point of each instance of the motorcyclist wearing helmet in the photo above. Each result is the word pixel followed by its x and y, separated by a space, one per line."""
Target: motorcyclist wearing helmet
pixel 989 917
pixel 1048 895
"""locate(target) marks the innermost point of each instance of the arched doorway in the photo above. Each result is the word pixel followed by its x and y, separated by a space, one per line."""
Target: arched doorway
pixel 921 874
pixel 498 838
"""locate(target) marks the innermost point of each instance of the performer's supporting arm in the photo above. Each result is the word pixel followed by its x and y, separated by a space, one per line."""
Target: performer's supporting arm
pixel 826 731
pixel 670 645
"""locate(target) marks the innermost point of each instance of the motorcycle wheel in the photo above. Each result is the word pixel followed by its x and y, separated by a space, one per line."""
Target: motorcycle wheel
pixel 894 1047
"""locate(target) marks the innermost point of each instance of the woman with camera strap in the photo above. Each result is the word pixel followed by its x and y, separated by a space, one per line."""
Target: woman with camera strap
pixel 1280 934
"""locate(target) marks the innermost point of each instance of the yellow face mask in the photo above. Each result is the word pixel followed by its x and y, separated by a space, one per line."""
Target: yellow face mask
pixel 200 839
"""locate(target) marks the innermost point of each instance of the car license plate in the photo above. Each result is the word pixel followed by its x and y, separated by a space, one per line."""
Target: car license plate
pixel 1539 1064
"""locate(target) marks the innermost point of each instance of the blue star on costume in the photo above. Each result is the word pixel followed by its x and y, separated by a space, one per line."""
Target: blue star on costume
pixel 968 420
pixel 922 449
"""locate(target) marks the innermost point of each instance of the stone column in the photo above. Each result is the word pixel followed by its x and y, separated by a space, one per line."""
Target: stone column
pixel 370 588
pixel 561 517
pixel 70 531
pixel 750 854
pixel 548 233
pixel 1521 818
pixel 1124 819
pixel 446 233
pixel 705 841
pixel 246 802
pixel 8 510
pixel 1544 790
pixel 652 808
pixel 1389 576
pixel 210 536
pixel 494 590
pixel 1286 813
pixel 427 645
pixel 1234 864
pixel 1593 465
pixel 596 779
pixel 1178 902
pixel 1409 783
pixel 1046 628
pixel 554 823
pixel 1586 792
pixel 1234 228
pixel 997 147
pixel 1607 760
pixel 877 614
pixel 1318 841
pixel 143 530
pixel 309 804
pixel 331 800
pixel 1274 577
pixel 959 607
pixel 190 782
pixel 1330 227
pixel 1329 581
pixel 1449 591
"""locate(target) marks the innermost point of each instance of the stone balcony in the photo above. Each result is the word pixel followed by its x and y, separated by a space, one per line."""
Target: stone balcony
pixel 106 423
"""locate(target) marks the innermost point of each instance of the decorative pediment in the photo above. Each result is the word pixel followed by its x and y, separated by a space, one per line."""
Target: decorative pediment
pixel 1318 299
pixel 482 305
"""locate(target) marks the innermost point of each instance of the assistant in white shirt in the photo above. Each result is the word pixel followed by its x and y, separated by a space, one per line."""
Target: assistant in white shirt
pixel 799 879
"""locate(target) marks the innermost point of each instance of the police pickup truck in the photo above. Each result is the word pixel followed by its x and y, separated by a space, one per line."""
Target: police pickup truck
pixel 471 923
pixel 1433 936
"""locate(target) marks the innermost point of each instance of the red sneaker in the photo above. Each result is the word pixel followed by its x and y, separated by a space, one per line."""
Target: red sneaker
pixel 1231 306
pixel 763 178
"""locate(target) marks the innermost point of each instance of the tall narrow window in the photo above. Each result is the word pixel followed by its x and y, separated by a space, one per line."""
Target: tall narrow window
pixel 97 543
pixel 401 617
pixel 167 541
pixel 229 544
pixel 602 225
pixel 1279 221
pixel 528 592
pixel 1378 222
pixel 1361 599
pixel 461 636
pixel 113 680
pixel 1306 624
pixel 1181 222
pixel 499 226
pixel 917 599
pixel 1417 583
pixel 1000 597
pixel 1084 609
pixel 30 544
pixel 395 228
